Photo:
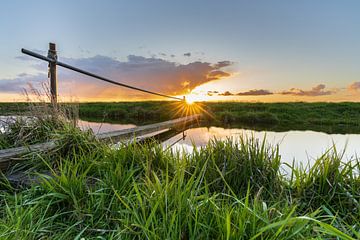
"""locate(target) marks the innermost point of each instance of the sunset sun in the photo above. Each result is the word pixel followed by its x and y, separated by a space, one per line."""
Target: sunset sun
pixel 193 97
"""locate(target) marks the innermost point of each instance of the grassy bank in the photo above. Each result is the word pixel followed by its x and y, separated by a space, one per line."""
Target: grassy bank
pixel 226 190
pixel 327 117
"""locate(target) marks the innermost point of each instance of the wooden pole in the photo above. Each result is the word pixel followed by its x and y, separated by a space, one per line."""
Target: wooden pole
pixel 52 74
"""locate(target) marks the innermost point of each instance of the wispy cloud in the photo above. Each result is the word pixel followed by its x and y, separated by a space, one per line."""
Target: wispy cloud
pixel 318 90
pixel 217 74
pixel 222 64
pixel 355 86
pixel 226 93
pixel 21 82
pixel 253 92
pixel 211 93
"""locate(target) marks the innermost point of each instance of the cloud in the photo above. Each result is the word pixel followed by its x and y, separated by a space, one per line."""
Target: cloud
pixel 217 74
pixel 211 93
pixel 255 92
pixel 318 90
pixel 355 86
pixel 222 64
pixel 150 73
pixel 227 93
pixel 188 54
pixel 21 82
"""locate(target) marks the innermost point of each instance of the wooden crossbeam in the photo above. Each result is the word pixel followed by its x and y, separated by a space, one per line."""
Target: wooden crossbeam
pixel 116 136
pixel 13 154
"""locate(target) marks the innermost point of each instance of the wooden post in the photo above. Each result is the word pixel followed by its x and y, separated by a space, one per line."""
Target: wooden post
pixel 52 74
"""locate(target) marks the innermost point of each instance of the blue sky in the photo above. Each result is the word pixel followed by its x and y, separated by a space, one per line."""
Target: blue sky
pixel 279 46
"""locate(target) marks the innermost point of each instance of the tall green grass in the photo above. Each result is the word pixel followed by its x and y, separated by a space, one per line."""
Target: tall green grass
pixel 329 183
pixel 231 189
pixel 41 124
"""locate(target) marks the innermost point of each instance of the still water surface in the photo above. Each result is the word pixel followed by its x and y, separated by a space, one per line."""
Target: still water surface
pixel 301 146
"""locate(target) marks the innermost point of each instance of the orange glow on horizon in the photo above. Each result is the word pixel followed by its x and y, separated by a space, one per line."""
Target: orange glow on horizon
pixel 196 96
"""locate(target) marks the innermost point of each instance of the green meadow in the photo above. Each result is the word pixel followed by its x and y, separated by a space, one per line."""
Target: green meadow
pixel 326 117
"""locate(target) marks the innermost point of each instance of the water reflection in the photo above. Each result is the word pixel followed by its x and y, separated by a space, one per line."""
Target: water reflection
pixel 303 146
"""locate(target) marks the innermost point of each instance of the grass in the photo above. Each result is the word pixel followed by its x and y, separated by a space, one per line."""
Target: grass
pixel 38 128
pixel 326 117
pixel 230 189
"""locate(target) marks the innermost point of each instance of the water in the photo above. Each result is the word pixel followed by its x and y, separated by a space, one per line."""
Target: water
pixel 303 146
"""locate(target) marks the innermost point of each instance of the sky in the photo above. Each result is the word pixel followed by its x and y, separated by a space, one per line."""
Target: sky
pixel 266 51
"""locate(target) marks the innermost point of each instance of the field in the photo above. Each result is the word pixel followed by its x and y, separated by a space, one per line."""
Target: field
pixel 326 117
pixel 226 190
